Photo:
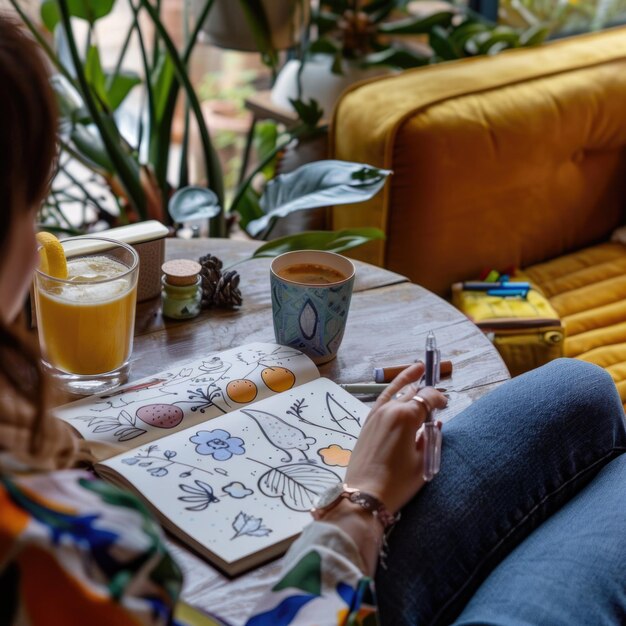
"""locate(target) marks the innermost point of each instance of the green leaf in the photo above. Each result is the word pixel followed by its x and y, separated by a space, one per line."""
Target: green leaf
pixel 325 21
pixel 465 31
pixel 120 86
pixel 257 20
pixel 322 183
pixel 534 35
pixel 337 66
pixel 324 45
pixel 331 241
pixel 91 146
pixel 417 25
pixel 310 114
pixel 193 203
pixel 90 10
pixel 69 101
pixel 395 57
pixel 95 75
pixel 441 44
pixel 248 207
pixel 162 79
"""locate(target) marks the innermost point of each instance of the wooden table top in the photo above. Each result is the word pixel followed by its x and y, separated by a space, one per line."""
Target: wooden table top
pixel 388 322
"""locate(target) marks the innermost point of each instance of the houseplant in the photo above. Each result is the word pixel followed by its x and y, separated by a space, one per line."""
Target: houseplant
pixel 361 38
pixel 136 168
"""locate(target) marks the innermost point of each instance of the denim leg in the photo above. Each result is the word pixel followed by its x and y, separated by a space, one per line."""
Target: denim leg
pixel 571 570
pixel 508 462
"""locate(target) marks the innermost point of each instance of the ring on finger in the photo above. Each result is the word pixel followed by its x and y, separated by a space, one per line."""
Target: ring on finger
pixel 421 400
pixel 411 388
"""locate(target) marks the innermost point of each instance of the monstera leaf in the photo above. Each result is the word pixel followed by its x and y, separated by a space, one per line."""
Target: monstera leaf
pixel 323 183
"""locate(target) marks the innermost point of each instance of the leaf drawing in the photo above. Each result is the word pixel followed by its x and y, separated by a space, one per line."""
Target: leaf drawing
pixel 339 414
pixel 298 486
pixel 249 525
pixel 123 426
pixel 202 494
pixel 281 434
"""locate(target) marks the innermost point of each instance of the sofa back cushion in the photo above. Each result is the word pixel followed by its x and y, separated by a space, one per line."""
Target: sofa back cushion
pixel 498 161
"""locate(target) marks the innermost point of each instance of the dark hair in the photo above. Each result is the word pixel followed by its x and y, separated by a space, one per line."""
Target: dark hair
pixel 28 124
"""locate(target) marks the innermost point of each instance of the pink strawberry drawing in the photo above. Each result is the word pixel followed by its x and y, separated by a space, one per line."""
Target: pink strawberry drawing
pixel 161 415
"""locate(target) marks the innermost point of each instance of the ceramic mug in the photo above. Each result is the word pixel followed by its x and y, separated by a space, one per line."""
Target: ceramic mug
pixel 307 315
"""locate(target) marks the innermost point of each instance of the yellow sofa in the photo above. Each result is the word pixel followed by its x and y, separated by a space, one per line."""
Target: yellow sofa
pixel 513 160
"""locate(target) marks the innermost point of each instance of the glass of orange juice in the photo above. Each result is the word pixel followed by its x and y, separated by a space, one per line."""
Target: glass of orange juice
pixel 86 321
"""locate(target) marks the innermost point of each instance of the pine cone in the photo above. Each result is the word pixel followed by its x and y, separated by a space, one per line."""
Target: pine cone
pixel 227 292
pixel 218 289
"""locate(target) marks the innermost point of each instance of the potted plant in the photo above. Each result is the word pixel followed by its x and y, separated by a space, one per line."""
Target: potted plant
pixel 135 167
pixel 358 39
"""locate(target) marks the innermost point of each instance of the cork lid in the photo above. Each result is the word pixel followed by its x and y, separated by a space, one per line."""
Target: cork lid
pixel 181 272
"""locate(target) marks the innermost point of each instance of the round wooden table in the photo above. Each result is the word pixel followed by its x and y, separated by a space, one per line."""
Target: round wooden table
pixel 388 322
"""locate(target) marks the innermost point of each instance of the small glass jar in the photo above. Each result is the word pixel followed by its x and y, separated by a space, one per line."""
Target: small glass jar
pixel 181 293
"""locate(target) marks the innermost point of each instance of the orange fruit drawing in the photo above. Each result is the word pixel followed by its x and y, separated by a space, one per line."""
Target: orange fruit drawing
pixel 241 390
pixel 278 378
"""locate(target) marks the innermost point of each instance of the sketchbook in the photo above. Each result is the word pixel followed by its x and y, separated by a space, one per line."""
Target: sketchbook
pixel 232 451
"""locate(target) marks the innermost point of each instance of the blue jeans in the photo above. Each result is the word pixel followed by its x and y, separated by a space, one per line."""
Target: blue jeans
pixel 523 525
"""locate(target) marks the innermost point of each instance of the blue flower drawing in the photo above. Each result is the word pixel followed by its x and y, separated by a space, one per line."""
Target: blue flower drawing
pixel 217 443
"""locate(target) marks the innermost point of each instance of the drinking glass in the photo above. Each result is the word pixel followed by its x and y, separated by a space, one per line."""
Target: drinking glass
pixel 86 322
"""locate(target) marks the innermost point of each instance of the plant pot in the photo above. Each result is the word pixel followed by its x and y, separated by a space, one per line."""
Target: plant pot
pixel 318 81
pixel 227 27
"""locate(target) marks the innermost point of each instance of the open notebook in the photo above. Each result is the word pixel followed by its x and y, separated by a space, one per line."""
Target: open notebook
pixel 231 451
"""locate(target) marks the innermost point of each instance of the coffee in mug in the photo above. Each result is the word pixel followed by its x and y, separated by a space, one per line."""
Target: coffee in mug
pixel 311 292
pixel 311 274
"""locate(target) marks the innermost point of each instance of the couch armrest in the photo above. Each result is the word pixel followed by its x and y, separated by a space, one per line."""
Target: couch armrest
pixel 498 161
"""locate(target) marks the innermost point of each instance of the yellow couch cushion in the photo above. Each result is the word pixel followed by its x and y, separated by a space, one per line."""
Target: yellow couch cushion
pixel 498 161
pixel 588 291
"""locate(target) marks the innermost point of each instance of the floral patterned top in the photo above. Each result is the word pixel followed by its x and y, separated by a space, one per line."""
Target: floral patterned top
pixel 75 550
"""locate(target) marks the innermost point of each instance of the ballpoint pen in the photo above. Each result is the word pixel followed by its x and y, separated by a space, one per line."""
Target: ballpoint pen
pixel 430 431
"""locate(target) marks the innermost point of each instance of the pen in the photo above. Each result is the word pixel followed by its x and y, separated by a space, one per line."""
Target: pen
pixel 508 293
pixel 480 285
pixel 432 360
pixel 364 388
pixel 430 432
pixel 387 374
pixel 373 389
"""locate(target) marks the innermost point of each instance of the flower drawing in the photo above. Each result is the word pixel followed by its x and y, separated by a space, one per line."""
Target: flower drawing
pixel 335 455
pixel 217 443
pixel 249 525
pixel 200 496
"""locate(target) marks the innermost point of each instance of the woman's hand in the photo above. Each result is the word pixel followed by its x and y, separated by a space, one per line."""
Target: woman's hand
pixel 387 461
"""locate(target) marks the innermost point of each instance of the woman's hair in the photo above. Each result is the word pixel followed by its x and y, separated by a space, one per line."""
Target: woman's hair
pixel 28 124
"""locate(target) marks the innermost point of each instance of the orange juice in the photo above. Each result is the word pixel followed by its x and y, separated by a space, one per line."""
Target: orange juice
pixel 86 323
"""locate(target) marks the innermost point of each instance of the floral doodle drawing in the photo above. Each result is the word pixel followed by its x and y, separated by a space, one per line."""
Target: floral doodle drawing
pixel 298 486
pixel 202 494
pixel 335 455
pixel 217 443
pixel 249 525
pixel 123 426
pixel 297 408
pixel 237 490
pixel 159 466
pixel 281 434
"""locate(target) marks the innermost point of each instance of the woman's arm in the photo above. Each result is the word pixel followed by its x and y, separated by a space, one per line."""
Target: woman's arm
pixel 74 550
pixel 326 576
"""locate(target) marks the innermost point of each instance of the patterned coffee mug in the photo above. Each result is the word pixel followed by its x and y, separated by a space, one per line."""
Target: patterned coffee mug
pixel 311 317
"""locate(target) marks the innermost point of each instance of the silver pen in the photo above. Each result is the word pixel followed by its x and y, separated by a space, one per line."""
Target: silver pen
pixel 431 433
